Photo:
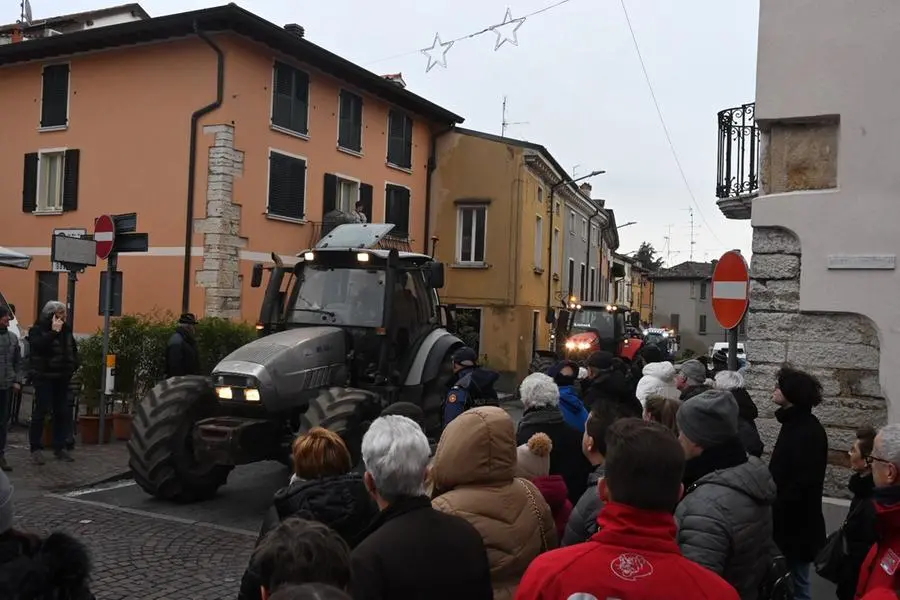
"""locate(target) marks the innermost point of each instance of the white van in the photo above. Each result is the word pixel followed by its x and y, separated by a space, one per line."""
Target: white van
pixel 741 353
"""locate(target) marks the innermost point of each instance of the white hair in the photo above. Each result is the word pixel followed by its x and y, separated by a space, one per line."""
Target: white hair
pixel 729 380
pixel 539 390
pixel 396 454
pixel 52 307
pixel 890 443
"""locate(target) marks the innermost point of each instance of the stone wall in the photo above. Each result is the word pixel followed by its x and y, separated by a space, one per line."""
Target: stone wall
pixel 840 349
pixel 222 243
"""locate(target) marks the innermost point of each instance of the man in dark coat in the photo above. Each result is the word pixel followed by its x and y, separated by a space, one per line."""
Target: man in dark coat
pixel 411 550
pixel 182 355
pixel 607 382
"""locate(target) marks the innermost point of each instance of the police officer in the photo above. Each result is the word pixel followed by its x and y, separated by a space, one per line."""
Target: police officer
pixel 471 385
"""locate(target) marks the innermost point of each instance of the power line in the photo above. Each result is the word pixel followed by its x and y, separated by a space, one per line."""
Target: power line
pixel 662 121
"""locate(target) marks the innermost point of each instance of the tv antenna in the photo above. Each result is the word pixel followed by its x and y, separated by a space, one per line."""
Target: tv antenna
pixel 690 210
pixel 505 124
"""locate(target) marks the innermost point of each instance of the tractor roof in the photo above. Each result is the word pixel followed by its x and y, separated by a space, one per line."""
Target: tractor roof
pixel 374 238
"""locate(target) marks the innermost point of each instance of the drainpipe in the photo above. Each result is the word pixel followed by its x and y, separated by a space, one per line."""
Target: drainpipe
pixel 432 167
pixel 587 253
pixel 192 166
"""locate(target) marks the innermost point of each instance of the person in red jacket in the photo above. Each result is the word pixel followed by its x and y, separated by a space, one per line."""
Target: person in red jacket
pixel 634 554
pixel 533 463
pixel 881 569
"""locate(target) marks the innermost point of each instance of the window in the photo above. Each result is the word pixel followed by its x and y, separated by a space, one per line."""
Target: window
pixel 399 140
pixel 348 195
pixel 593 290
pixel 693 290
pixel 702 329
pixel 55 97
pixel 47 289
pixel 571 275
pixel 540 194
pixel 396 209
pixel 572 223
pixel 350 123
pixel 290 99
pixel 287 186
pixel 556 207
pixel 675 321
pixel 539 243
pixel 703 291
pixel 50 181
pixel 557 259
pixel 583 280
pixel 594 236
pixel 584 229
pixel 470 234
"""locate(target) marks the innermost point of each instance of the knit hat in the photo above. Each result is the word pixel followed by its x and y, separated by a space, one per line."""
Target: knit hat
pixel 693 370
pixel 533 458
pixel 6 503
pixel 408 410
pixel 601 360
pixel 709 419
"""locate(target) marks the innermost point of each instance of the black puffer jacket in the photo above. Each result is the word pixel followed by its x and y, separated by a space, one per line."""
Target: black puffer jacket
pixel 747 414
pixel 52 355
pixel 342 503
pixel 32 568
pixel 583 520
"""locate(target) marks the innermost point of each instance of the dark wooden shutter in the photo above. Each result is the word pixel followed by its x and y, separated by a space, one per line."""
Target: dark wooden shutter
pixel 297 174
pixel 300 102
pixel 55 96
pixel 350 129
pixel 395 138
pixel 287 186
pixel 29 183
pixel 407 142
pixel 329 195
pixel 281 96
pixel 365 198
pixel 70 180
pixel 397 209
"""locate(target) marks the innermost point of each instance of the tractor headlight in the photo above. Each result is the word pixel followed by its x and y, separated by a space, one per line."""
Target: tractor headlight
pixel 583 345
pixel 570 345
pixel 309 256
pixel 224 393
pixel 362 257
pixel 251 395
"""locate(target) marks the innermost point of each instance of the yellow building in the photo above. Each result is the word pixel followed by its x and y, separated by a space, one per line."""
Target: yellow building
pixel 642 293
pixel 490 211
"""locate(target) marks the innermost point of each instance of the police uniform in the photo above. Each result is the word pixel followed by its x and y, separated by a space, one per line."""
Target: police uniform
pixel 458 396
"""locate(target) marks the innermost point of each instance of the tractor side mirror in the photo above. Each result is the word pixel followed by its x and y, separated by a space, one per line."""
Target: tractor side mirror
pixel 256 276
pixel 435 275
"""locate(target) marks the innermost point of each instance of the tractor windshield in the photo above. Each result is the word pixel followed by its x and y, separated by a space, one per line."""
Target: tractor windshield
pixel 338 296
pixel 598 319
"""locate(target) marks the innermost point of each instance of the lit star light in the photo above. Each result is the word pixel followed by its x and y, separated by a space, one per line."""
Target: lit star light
pixel 506 31
pixel 432 53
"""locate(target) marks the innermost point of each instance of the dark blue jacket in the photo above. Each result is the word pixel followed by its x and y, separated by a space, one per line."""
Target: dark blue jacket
pixel 473 387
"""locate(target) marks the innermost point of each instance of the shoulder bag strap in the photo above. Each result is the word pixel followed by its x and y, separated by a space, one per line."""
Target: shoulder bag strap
pixel 537 513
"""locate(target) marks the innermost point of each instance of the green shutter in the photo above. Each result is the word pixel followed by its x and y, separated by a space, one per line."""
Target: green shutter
pixel 29 183
pixel 70 180
pixel 329 196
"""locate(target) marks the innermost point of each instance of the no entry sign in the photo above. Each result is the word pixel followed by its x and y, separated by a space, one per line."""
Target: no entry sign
pixel 730 289
pixel 104 235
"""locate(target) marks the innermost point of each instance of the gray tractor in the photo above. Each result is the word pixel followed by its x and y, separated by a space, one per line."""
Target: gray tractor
pixel 353 326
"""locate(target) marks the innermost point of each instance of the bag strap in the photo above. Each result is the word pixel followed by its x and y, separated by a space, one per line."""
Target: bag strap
pixel 537 514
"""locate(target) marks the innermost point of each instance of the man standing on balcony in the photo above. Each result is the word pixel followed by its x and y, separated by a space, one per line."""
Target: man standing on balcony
pixel 358 215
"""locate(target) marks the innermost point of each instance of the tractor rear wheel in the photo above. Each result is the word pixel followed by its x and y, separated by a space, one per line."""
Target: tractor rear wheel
pixel 161 454
pixel 541 362
pixel 345 411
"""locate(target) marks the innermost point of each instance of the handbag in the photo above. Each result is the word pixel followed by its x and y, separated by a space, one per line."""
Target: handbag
pixel 778 583
pixel 830 560
pixel 537 514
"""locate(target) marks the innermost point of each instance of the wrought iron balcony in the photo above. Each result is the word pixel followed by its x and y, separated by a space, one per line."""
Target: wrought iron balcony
pixel 319 229
pixel 738 159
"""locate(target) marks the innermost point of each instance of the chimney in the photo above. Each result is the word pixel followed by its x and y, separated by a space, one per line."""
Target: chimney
pixel 295 29
pixel 395 78
pixel 586 189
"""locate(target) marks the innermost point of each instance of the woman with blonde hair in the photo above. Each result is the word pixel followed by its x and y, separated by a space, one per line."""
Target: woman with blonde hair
pixel 322 488
pixel 662 410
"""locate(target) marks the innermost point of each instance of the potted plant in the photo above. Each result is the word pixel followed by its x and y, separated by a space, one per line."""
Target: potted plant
pixel 122 421
pixel 90 375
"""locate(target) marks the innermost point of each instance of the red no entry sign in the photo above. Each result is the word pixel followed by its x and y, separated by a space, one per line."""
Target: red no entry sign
pixel 104 235
pixel 730 289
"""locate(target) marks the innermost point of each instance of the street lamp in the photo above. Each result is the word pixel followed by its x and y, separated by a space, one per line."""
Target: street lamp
pixel 628 224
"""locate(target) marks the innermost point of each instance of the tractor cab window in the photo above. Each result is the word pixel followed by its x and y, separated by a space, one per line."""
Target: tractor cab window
pixel 599 320
pixel 338 296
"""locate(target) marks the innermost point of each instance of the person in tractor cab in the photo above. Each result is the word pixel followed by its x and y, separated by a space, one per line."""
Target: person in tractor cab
pixel 470 385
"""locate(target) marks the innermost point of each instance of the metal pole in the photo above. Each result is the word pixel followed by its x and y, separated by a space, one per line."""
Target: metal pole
pixel 732 349
pixel 70 296
pixel 107 312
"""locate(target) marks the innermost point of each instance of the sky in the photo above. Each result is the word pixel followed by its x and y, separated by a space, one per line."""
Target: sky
pixel 573 84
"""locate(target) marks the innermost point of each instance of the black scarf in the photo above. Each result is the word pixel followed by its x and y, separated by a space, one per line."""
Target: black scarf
pixel 887 496
pixel 724 456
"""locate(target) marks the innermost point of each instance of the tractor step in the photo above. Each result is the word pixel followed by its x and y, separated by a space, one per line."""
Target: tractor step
pixel 234 440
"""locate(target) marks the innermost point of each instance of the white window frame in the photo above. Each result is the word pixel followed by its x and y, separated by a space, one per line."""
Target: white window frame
pixel 538 242
pixel 592 282
pixel 41 204
pixel 460 210
pixel 540 194
pixel 584 229
pixel 582 281
pixel 594 230
pixel 269 181
pixel 357 183
pixel 556 207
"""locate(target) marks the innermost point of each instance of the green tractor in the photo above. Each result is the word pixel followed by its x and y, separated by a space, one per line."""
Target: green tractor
pixel 353 326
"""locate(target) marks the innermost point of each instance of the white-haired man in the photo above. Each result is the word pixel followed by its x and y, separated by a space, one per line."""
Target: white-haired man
pixel 881 569
pixel 732 381
pixel 411 550
pixel 540 398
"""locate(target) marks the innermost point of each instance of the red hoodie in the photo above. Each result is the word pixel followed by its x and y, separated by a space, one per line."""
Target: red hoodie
pixel 881 569
pixel 633 556
pixel 553 489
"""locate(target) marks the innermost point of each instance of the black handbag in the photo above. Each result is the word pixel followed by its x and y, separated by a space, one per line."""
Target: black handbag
pixel 830 560
pixel 778 583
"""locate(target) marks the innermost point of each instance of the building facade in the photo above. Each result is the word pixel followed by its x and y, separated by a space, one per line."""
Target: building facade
pixel 609 243
pixel 583 222
pixel 288 134
pixel 823 206
pixel 642 293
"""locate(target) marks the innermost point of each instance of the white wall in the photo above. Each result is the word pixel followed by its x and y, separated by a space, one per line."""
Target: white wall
pixel 839 57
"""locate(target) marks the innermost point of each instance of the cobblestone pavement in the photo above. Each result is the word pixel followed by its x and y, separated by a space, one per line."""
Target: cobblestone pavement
pixel 143 556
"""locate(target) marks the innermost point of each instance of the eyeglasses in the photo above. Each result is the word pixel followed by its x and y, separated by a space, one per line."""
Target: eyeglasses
pixel 870 459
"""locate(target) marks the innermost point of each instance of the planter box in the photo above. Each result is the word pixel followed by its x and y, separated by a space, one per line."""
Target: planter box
pixel 122 426
pixel 89 429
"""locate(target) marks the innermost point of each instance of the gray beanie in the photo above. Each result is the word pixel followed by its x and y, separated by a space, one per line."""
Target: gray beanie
pixel 709 419
pixel 6 503
pixel 693 370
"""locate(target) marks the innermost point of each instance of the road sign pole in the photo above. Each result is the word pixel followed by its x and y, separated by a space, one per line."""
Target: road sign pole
pixel 70 296
pixel 732 349
pixel 107 311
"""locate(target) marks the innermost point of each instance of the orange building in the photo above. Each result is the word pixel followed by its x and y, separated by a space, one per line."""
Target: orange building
pixel 229 136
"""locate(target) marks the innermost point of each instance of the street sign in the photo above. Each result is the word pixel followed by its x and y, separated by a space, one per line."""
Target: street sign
pixel 104 235
pixel 730 289
pixel 73 252
pixel 76 233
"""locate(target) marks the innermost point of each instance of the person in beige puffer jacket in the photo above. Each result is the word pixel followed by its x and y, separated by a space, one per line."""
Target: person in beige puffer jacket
pixel 473 473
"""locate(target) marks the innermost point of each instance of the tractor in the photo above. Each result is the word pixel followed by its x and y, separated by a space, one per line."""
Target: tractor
pixel 353 326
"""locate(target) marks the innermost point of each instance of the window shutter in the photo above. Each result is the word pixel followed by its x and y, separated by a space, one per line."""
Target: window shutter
pixel 329 195
pixel 287 186
pixel 55 96
pixel 281 95
pixel 397 210
pixel 70 180
pixel 300 110
pixel 395 138
pixel 297 171
pixel 29 183
pixel 365 198
pixel 407 141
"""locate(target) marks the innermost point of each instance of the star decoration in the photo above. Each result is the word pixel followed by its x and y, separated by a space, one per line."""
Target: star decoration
pixel 509 25
pixel 432 53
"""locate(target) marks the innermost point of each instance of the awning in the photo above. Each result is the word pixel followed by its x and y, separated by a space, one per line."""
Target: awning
pixel 11 258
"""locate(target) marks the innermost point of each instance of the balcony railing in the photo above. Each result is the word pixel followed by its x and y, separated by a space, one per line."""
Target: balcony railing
pixel 738 159
pixel 318 230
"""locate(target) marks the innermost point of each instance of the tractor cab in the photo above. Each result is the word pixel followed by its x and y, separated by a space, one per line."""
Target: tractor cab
pixel 597 326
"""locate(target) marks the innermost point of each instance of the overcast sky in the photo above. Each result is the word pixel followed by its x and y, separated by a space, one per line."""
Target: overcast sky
pixel 574 78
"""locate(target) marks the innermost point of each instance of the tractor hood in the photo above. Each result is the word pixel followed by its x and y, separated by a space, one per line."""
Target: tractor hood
pixel 285 368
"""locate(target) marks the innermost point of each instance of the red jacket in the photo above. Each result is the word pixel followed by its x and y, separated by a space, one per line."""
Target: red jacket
pixel 553 489
pixel 881 569
pixel 633 556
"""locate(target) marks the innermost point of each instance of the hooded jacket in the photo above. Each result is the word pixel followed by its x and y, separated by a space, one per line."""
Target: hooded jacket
pixel 658 378
pixel 53 355
pixel 881 568
pixel 474 478
pixel 573 409
pixel 57 567
pixel 724 519
pixel 583 520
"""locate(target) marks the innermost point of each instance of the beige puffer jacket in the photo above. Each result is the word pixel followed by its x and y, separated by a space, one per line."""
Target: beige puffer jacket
pixel 474 477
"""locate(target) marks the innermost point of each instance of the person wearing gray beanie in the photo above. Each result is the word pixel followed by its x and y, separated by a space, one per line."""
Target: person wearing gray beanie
pixel 725 516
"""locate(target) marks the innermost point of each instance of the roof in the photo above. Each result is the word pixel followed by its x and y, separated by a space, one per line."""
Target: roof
pixel 229 17
pixel 685 271
pixel 77 17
